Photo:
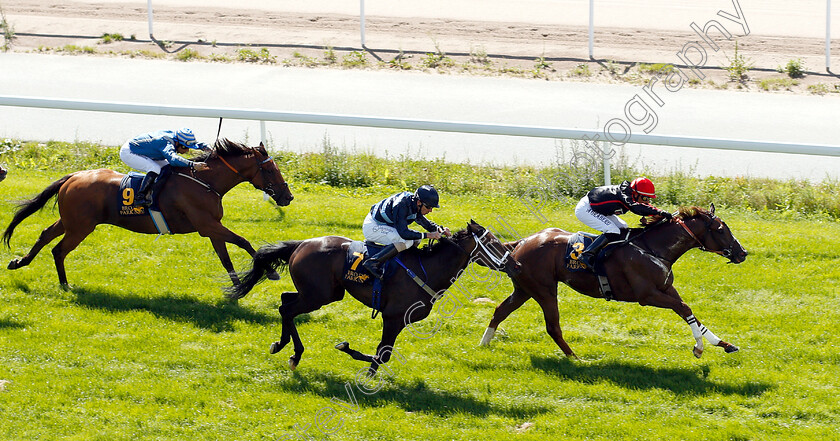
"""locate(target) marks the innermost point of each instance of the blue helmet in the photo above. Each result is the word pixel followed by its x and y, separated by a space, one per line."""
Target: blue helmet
pixel 428 196
pixel 185 137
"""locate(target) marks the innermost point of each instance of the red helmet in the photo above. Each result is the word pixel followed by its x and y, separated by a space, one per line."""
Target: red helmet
pixel 644 187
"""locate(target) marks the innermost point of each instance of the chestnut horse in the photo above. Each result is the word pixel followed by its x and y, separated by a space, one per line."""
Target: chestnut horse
pixel 638 272
pixel 190 202
pixel 316 267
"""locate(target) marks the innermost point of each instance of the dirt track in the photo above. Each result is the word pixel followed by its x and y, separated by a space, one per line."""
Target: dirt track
pixel 290 37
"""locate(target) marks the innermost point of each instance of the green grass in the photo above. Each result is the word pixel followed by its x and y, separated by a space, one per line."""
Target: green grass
pixel 144 347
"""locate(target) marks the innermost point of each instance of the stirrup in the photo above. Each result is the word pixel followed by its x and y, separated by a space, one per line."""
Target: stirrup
pixel 374 267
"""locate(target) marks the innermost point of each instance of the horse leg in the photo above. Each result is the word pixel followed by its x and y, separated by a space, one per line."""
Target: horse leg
pixel 220 247
pixel 548 303
pixel 699 331
pixel 47 236
pixel 219 236
pixel 67 244
pixel 345 347
pixel 516 299
pixel 289 310
pixel 671 299
pixel 391 328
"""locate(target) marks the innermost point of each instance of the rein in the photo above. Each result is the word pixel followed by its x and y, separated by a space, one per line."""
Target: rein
pixel 268 189
pixel 499 262
pixel 725 253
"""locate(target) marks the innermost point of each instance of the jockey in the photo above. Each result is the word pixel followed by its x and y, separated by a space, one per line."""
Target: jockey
pixel 387 224
pixel 600 208
pixel 154 152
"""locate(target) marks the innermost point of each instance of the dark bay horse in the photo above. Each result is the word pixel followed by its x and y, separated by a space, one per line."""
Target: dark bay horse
pixel 638 272
pixel 190 202
pixel 316 268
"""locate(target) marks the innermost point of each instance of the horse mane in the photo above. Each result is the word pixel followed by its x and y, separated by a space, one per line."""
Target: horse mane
pixel 435 247
pixel 688 212
pixel 224 147
pixel 683 213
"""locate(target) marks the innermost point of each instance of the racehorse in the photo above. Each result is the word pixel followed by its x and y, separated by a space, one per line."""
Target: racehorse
pixel 190 201
pixel 638 272
pixel 316 267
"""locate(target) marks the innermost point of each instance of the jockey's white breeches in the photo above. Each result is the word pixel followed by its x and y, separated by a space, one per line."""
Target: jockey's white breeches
pixel 385 234
pixel 140 162
pixel 598 221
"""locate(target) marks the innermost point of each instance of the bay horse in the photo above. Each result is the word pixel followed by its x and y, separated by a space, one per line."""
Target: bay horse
pixel 316 267
pixel 638 272
pixel 190 201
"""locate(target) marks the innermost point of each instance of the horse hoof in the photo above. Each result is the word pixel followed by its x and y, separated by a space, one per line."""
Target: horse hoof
pixel 731 348
pixel 65 286
pixel 342 346
pixel 273 275
pixel 697 352
pixel 292 363
pixel 275 348
pixel 13 264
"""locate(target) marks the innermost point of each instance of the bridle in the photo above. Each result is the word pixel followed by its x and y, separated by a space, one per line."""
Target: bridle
pixel 267 188
pixel 498 261
pixel 727 252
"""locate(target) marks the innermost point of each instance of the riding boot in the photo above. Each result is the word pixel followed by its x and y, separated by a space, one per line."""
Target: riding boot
pixel 142 198
pixel 592 250
pixel 158 186
pixel 374 263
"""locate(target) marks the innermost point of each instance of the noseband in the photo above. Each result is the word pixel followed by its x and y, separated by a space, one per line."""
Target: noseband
pixel 498 261
pixel 726 252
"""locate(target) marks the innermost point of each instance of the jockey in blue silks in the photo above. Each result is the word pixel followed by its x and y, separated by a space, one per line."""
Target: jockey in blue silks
pixel 154 152
pixel 387 224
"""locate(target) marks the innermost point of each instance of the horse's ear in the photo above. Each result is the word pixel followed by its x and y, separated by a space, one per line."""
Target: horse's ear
pixel 262 145
pixel 712 208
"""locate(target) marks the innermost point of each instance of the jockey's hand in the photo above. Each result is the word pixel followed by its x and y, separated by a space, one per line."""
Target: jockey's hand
pixel 433 235
pixel 200 166
pixel 445 231
pixel 667 215
pixel 202 146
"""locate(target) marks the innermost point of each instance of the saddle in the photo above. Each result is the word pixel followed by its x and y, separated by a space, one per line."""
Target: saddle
pixel 358 252
pixel 577 243
pixel 129 187
pixel 355 272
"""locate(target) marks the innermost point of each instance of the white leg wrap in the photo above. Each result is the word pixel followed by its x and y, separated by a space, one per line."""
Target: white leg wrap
pixel 700 331
pixel 488 335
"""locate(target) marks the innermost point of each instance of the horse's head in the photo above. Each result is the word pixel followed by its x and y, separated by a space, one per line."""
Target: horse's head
pixel 487 250
pixel 255 166
pixel 712 233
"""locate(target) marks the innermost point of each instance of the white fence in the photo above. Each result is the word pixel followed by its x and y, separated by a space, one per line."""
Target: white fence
pixel 416 124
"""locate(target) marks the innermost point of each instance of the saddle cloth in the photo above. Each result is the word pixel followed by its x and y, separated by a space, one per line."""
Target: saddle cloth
pixel 358 252
pixel 129 187
pixel 577 243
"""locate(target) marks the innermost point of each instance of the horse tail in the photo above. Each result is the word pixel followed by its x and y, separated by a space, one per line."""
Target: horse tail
pixel 29 207
pixel 267 259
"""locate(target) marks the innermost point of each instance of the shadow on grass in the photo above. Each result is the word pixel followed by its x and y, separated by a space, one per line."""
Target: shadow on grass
pixel 638 377
pixel 411 396
pixel 10 324
pixel 215 317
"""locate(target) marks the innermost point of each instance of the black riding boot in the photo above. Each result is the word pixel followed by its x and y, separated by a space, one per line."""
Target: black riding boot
pixel 374 263
pixel 159 183
pixel 592 250
pixel 142 198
